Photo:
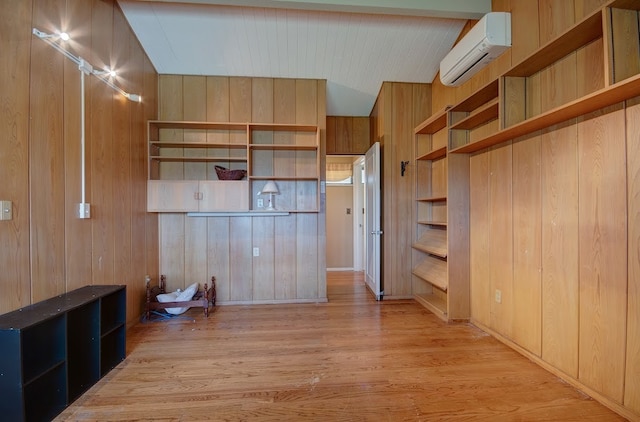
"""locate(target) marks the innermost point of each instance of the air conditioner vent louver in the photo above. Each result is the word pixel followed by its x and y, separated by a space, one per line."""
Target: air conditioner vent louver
pixel 487 40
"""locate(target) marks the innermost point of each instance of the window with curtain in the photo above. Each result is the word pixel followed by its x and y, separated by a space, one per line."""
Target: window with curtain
pixel 339 173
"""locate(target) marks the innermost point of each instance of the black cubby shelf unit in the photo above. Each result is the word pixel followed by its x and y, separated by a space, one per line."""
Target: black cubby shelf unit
pixel 53 351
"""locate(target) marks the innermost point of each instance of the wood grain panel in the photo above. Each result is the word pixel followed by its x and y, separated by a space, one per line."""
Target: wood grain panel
pixel 501 241
pixel 590 68
pixel 603 247
pixel 586 7
pixel 262 100
pixel 284 111
pixel 555 17
pixel 170 86
pixel 194 89
pixel 150 106
pixel 625 44
pixel 172 246
pixel 121 168
pixel 560 274
pixel 344 134
pixel 307 256
pixel 218 255
pixel 403 196
pixel 632 374
pixel 459 302
pixel 264 265
pixel 195 251
pixel 77 235
pixel 138 163
pixel 331 134
pixel 526 39
pixel 285 262
pixel 361 138
pixel 240 260
pixel 15 281
pixel 46 158
pixel 527 232
pixel 479 237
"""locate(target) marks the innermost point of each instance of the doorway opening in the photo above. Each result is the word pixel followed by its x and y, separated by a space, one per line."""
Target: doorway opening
pixel 345 213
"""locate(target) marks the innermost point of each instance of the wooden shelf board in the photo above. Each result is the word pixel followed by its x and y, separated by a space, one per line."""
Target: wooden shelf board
pixel 480 116
pixel 197 159
pixel 434 123
pixel 478 98
pixel 433 223
pixel 281 147
pixel 432 199
pixel 433 271
pixel 433 303
pixel 173 144
pixel 605 97
pixel 434 154
pixel 582 33
pixel 433 241
pixel 283 127
pixel 166 124
pixel 293 178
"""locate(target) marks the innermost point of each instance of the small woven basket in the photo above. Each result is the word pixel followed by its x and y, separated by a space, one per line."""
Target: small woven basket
pixel 226 174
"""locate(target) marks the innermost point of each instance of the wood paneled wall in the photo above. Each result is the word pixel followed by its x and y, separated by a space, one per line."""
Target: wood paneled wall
pixel 399 108
pixel 45 250
pixel 348 135
pixel 292 262
pixel 554 219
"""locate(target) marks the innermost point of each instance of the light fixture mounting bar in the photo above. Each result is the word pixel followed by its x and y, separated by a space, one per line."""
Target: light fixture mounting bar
pixel 83 65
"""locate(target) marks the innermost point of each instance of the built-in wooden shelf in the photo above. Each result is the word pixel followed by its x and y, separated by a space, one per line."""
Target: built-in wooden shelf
pixel 478 98
pixel 432 199
pixel 432 223
pixel 434 303
pixel 290 147
pixel 433 124
pixel 292 178
pixel 176 144
pixel 434 155
pixel 605 97
pixel 179 124
pixel 483 114
pixel 580 34
pixel 432 270
pixel 433 241
pixel 196 159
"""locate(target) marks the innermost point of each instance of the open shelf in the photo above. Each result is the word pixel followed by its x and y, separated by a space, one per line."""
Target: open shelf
pixel 433 124
pixel 432 199
pixel 434 303
pixel 605 97
pixel 433 241
pixel 483 114
pixel 283 147
pixel 432 270
pixel 433 223
pixel 434 155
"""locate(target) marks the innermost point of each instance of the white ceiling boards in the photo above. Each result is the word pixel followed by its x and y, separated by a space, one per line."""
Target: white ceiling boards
pixel 354 52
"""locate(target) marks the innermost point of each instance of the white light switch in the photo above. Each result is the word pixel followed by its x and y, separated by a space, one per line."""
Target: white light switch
pixel 6 210
pixel 256 251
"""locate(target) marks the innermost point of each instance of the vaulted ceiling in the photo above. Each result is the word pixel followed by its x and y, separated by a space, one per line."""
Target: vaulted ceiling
pixel 354 44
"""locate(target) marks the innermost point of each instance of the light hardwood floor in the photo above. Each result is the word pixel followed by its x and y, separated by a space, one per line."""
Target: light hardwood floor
pixel 351 359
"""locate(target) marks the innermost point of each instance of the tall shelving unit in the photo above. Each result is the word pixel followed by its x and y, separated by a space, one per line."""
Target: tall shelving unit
pixel 439 235
pixel 53 351
pixel 182 158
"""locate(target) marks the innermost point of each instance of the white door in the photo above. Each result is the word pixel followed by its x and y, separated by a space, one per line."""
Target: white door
pixel 372 220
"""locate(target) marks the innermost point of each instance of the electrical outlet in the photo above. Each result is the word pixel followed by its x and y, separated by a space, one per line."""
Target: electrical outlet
pixel 256 251
pixel 260 203
pixel 498 296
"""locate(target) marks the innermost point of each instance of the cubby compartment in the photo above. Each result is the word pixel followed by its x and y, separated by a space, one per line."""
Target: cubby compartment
pixel 83 341
pixel 53 351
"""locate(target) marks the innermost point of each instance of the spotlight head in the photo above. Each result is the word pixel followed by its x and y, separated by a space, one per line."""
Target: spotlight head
pixel 64 36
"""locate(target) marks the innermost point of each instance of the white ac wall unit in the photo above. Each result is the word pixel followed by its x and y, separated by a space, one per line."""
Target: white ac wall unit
pixel 489 38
